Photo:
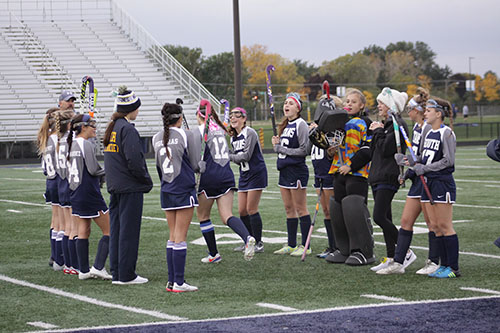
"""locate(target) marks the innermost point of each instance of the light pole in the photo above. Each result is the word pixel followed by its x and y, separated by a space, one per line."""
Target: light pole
pixel 470 67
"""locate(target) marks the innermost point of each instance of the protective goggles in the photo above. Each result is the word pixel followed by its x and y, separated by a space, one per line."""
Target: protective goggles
pixel 238 112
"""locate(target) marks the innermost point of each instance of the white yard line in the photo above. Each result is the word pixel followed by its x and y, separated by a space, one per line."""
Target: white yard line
pixel 383 298
pixel 90 300
pixel 14 211
pixel 496 186
pixel 41 324
pixel 276 307
pixel 481 290
pixel 478 181
pixel 24 203
pixel 24 179
pixel 454 221
pixel 291 313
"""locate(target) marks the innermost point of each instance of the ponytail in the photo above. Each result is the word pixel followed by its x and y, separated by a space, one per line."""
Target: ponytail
pixel 45 130
pixel 114 117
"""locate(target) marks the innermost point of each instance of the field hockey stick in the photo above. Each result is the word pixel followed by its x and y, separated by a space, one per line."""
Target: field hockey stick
pixel 208 114
pixel 179 102
pixel 395 124
pixel 412 154
pixel 269 69
pixel 87 80
pixel 311 228
pixel 326 88
pixel 226 111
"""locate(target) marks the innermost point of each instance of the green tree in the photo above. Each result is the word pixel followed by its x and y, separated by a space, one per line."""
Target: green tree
pixel 191 59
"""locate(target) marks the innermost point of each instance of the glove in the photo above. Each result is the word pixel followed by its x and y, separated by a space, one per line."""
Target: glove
pixel 400 159
pixel 419 169
pixel 318 138
pixel 202 165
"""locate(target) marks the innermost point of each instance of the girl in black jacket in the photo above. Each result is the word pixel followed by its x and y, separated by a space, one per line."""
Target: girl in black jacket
pixel 127 178
pixel 384 172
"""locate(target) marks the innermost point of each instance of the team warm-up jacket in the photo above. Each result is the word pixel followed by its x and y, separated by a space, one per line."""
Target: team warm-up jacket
pixel 176 172
pixel 438 153
pixel 292 149
pixel 383 167
pixel 247 152
pixel 355 150
pixel 126 170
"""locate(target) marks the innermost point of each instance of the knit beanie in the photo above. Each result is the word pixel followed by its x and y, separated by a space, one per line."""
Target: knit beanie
pixel 296 98
pixel 399 98
pixel 126 100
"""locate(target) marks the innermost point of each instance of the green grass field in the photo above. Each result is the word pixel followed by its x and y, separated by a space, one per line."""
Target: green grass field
pixel 234 286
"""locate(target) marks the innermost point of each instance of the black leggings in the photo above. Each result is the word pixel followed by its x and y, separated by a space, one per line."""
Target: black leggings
pixel 382 215
pixel 349 184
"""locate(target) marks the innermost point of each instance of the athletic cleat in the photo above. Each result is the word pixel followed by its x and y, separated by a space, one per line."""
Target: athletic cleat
pixel 170 286
pixel 74 271
pixel 448 272
pixel 249 248
pixel 392 268
pixel 101 274
pixel 384 262
pixel 497 242
pixel 239 248
pixel 51 261
pixel 212 260
pixel 437 271
pixel 299 251
pixel 66 270
pixel 183 288
pixel 138 280
pixel 259 247
pixel 336 257
pixel 84 276
pixel 285 250
pixel 56 267
pixel 357 259
pixel 409 258
pixel 430 267
pixel 323 254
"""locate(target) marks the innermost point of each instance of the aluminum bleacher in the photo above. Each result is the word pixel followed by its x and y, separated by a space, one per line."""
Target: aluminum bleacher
pixel 46 50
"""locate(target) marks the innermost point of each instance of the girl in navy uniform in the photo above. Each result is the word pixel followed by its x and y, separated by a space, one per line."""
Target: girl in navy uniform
pixel 291 146
pixel 84 176
pixel 438 165
pixel 253 174
pixel 47 145
pixel 174 159
pixel 63 119
pixel 127 179
pixel 413 206
pixel 217 184
pixel 384 172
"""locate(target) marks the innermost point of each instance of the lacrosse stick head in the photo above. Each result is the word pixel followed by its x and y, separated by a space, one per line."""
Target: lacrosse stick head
pixel 335 138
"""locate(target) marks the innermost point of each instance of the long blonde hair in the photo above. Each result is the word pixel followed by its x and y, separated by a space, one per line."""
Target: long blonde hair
pixel 47 127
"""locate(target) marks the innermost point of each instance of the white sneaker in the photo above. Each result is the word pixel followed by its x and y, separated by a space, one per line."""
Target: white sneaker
pixel 239 248
pixel 84 276
pixel 392 268
pixel 409 258
pixel 57 267
pixel 101 274
pixel 429 268
pixel 249 248
pixel 138 280
pixel 383 264
pixel 211 260
pixel 183 288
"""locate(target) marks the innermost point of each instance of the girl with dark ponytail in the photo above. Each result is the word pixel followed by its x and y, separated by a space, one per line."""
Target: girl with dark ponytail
pixel 84 177
pixel 175 158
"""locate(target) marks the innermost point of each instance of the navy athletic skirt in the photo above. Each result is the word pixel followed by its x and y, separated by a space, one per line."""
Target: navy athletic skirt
pixel 442 190
pixel 294 176
pixel 178 201
pixel 257 181
pixel 51 192
pixel 416 188
pixel 64 194
pixel 327 182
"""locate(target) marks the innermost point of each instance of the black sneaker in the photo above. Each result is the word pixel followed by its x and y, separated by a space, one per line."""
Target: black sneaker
pixel 259 247
pixel 336 257
pixel 358 259
pixel 323 254
pixel 170 286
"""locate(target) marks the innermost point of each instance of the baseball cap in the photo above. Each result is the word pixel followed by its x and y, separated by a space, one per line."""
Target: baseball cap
pixel 66 96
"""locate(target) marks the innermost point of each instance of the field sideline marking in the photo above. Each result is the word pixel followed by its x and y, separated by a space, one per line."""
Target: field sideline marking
pixel 41 324
pixel 276 307
pixel 89 299
pixel 14 211
pixel 292 313
pixel 481 290
pixel 383 298
pixel 277 231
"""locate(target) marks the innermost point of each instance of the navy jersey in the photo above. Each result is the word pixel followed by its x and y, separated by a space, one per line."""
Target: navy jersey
pixel 293 144
pixel 176 172
pixel 84 175
pixel 218 173
pixel 248 154
pixel 418 134
pixel 321 162
pixel 438 154
pixel 49 162
pixel 62 157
